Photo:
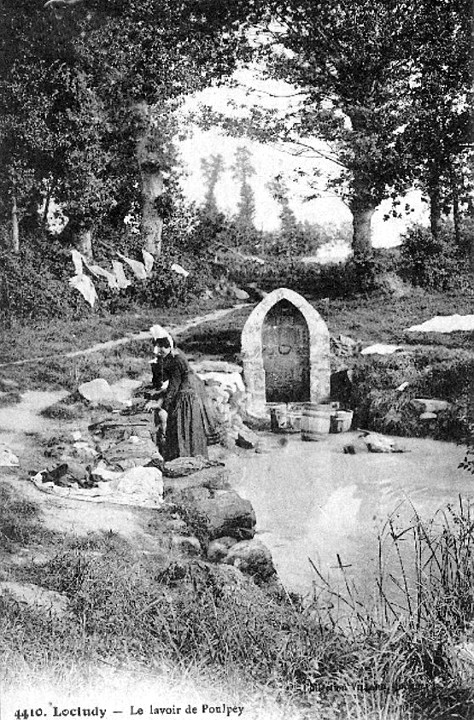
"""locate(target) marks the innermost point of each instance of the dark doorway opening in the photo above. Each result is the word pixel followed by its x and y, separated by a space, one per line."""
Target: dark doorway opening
pixel 285 349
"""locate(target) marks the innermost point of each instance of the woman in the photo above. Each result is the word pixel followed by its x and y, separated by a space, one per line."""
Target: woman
pixel 182 415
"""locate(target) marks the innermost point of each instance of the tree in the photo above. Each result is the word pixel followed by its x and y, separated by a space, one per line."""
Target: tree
pixel 438 132
pixel 116 73
pixel 212 169
pixel 145 56
pixel 349 62
pixel 279 191
pixel 52 125
pixel 243 171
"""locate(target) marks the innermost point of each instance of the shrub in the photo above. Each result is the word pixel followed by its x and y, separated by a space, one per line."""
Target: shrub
pixel 432 374
pixel 429 262
pixel 34 284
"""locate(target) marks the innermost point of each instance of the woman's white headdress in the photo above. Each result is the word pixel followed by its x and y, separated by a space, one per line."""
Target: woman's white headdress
pixel 158 332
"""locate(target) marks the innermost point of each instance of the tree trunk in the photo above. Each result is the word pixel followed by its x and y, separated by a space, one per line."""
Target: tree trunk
pixel 362 213
pixel 15 227
pixel 455 200
pixel 83 242
pixel 434 192
pixel 149 162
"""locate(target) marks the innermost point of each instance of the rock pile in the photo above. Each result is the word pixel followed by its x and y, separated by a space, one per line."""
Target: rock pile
pixel 227 396
pixel 221 523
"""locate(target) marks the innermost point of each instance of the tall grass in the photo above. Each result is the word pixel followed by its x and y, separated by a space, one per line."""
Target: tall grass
pixel 399 655
pixel 417 635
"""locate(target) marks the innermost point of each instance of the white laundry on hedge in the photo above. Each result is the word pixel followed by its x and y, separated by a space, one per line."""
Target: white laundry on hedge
pixel 445 324
pixel 180 270
pixel 137 267
pixel 100 272
pixel 380 349
pixel 85 286
pixel 119 273
pixel 77 259
pixel 148 259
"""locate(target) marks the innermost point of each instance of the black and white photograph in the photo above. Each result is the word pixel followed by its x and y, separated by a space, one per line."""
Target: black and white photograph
pixel 237 359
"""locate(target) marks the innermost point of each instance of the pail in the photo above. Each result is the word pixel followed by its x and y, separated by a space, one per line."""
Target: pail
pixel 315 421
pixel 336 423
pixel 277 418
pixel 345 416
pixel 341 421
pixel 284 420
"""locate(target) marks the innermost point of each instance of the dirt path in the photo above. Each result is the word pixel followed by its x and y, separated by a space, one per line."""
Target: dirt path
pixel 176 330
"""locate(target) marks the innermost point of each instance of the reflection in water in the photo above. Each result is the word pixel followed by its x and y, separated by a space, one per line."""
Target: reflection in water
pixel 313 501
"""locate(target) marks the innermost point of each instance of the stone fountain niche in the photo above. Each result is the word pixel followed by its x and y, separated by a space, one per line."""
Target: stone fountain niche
pixel 285 352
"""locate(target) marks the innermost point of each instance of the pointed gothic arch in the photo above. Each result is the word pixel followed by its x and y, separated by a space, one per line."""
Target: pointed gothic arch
pixel 285 352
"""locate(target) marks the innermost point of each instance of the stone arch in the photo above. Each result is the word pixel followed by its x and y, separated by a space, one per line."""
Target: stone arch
pixel 252 349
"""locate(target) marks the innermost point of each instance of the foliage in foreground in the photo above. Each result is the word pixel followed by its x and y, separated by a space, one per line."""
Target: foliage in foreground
pixel 400 652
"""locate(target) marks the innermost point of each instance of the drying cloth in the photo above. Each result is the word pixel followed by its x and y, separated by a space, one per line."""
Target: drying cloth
pixel 100 272
pixel 120 275
pixel 380 349
pixel 137 267
pixel 77 259
pixel 85 286
pixel 445 324
pixel 180 270
pixel 148 259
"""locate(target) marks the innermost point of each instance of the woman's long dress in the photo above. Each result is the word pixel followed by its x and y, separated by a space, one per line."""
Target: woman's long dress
pixel 186 427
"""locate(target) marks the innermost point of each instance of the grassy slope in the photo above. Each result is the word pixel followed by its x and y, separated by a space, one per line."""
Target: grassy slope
pixel 366 318
pixel 286 660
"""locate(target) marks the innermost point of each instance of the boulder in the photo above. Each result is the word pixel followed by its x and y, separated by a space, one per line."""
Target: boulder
pixel 132 452
pixel 97 392
pixel 356 447
pixel 100 392
pixel 430 405
pixel 142 482
pixel 216 514
pixel 233 380
pixel 187 544
pixel 240 294
pixel 251 557
pixel 212 478
pixel 182 466
pixel 36 597
pixel 381 444
pixel 8 457
pixel 428 416
pixel 218 549
pixel 246 438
